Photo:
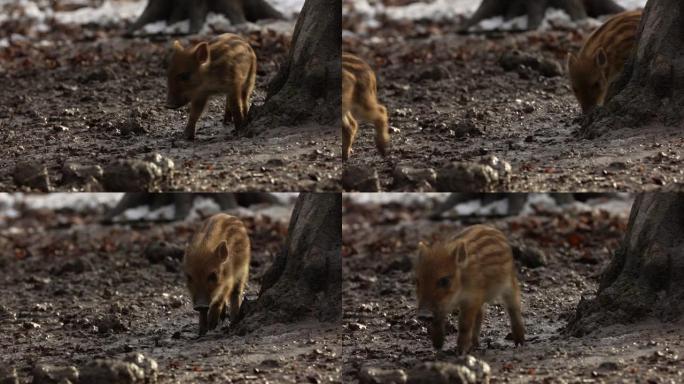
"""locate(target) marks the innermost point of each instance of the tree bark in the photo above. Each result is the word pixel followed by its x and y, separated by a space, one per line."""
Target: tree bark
pixel 305 280
pixel 651 87
pixel 646 275
pixel 308 85
pixel 536 9
pixel 182 202
pixel 172 11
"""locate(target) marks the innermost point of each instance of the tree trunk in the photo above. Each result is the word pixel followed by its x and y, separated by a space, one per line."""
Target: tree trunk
pixel 646 275
pixel 172 11
pixel 182 202
pixel 536 9
pixel 651 87
pixel 305 280
pixel 308 85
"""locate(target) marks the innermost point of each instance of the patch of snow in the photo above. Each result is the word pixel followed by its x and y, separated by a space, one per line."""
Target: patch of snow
pixel 287 7
pixel 116 12
pixel 475 208
pixel 396 197
pixel 111 12
pixel 444 10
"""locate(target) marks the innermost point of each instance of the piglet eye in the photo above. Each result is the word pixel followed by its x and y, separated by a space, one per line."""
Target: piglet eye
pixel 443 282
pixel 212 277
pixel 185 76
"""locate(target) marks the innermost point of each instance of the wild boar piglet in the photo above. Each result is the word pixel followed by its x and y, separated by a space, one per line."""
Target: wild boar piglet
pixel 473 268
pixel 602 58
pixel 225 65
pixel 360 101
pixel 216 266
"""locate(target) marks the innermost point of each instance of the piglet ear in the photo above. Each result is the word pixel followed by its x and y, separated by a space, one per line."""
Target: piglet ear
pixel 422 250
pixel 221 252
pixel 202 53
pixel 460 253
pixel 601 58
pixel 177 46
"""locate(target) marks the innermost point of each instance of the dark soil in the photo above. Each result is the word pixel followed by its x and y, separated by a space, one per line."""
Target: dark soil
pixel 450 99
pixel 93 97
pixel 94 294
pixel 381 329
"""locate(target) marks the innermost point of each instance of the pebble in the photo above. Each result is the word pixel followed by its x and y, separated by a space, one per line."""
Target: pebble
pixel 361 179
pixel 466 177
pixel 31 174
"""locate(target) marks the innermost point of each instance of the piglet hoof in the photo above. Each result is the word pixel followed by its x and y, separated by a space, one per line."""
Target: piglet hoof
pixel 203 323
pixel 436 331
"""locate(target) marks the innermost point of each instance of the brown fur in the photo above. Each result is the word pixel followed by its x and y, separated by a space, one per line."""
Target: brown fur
pixel 602 58
pixel 360 101
pixel 225 65
pixel 216 266
pixel 473 268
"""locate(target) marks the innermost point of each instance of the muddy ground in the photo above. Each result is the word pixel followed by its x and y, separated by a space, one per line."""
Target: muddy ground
pixel 74 290
pixel 89 96
pixel 381 329
pixel 450 99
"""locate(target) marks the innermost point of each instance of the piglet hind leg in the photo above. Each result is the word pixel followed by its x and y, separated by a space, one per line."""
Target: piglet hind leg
pixel 236 301
pixel 227 116
pixel 236 110
pixel 349 128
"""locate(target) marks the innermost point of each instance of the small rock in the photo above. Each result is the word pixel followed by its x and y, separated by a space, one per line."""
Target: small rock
pixel 8 375
pixel 529 256
pixel 110 323
pixel 50 374
pixel 370 375
pixel 357 327
pixel 75 173
pixel 514 60
pixel 148 365
pixel 60 129
pixel 112 372
pixel 75 266
pixel 465 370
pixel 275 162
pixel 159 250
pixel 31 325
pixel 608 366
pixel 164 163
pixel 502 168
pixel 133 124
pixel 31 174
pixel 132 176
pixel 413 178
pixel 436 73
pixel 466 128
pixel 360 179
pixel 466 177
pixel 270 363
